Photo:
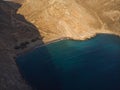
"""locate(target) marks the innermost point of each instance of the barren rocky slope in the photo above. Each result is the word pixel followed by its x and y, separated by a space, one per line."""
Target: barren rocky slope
pixel 76 19
pixel 16 36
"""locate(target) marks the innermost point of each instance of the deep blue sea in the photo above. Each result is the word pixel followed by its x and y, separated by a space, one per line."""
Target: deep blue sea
pixel 74 65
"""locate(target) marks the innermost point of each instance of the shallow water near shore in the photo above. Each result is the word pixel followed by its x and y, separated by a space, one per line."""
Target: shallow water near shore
pixel 74 65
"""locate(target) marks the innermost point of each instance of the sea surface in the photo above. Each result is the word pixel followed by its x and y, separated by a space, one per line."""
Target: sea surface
pixel 74 65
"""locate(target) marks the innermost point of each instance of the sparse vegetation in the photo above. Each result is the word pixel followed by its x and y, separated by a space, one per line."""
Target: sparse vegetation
pixel 22 45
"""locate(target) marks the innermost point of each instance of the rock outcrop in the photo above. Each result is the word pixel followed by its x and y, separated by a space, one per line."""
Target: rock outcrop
pixel 76 19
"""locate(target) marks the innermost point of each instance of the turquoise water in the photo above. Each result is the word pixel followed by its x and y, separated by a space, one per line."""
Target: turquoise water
pixel 74 65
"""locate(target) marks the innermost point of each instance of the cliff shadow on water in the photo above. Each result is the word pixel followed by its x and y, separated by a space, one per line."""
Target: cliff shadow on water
pixel 18 36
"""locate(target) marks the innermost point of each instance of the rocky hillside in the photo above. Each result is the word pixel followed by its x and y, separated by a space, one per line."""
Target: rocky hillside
pixel 76 19
pixel 16 36
pixel 38 21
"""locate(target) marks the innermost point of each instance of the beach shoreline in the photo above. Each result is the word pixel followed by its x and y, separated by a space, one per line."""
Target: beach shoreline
pixel 30 49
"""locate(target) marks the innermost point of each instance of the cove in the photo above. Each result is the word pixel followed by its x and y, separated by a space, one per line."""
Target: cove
pixel 74 65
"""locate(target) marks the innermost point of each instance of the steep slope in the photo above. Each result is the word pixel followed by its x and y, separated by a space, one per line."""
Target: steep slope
pixel 76 19
pixel 16 36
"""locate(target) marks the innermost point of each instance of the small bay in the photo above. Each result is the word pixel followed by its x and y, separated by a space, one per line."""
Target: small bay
pixel 74 65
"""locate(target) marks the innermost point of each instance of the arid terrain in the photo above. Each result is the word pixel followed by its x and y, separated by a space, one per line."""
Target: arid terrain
pixel 25 24
pixel 76 19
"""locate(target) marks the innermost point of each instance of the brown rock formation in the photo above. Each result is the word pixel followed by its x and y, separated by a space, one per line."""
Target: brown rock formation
pixel 77 19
